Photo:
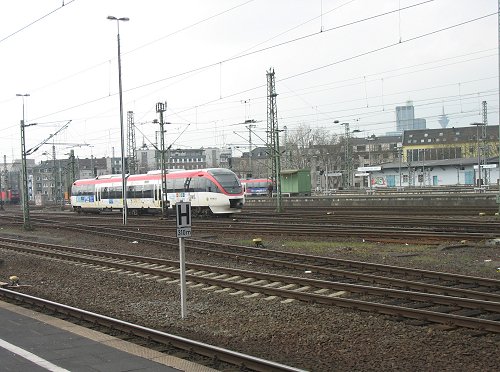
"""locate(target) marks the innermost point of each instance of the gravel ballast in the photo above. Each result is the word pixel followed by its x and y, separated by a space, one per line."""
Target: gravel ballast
pixel 308 336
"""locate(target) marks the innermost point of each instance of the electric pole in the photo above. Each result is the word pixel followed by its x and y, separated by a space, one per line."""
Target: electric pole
pixel 161 108
pixel 54 174
pixel 131 145
pixel 24 172
pixel 249 127
pixel 273 136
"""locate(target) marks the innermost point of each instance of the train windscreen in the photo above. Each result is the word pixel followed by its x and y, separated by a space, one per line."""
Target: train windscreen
pixel 227 179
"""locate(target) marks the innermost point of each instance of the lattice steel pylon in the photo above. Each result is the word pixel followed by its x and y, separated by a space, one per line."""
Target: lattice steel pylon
pixel 131 146
pixel 6 184
pixel 273 136
pixel 160 109
pixel 486 148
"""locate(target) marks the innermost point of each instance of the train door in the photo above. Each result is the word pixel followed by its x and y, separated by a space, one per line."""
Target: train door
pixel 434 180
pixel 98 195
pixel 157 195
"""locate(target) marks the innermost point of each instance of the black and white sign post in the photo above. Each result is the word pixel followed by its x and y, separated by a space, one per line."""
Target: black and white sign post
pixel 183 231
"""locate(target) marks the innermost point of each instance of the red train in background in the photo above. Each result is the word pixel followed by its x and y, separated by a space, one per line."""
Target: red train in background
pixel 10 197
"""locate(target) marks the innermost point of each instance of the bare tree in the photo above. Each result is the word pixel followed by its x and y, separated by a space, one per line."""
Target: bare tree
pixel 303 143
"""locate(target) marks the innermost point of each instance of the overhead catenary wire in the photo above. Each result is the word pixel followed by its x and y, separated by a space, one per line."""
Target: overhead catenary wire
pixel 198 105
pixel 35 21
pixel 285 78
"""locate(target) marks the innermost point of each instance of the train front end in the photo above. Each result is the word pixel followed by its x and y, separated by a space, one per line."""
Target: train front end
pixel 231 188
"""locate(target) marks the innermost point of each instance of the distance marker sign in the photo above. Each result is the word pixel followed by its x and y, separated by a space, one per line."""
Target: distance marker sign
pixel 183 219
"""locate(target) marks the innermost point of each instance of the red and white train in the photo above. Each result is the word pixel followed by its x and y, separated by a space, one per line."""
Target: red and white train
pixel 213 191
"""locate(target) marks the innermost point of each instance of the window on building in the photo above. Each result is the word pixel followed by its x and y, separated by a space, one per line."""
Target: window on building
pixel 426 134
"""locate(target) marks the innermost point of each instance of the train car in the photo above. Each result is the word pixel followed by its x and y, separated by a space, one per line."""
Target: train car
pixel 213 191
pixel 10 197
pixel 256 186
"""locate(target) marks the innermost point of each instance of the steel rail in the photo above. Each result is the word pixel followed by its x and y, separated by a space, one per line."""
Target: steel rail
pixel 458 320
pixel 210 351
pixel 489 302
pixel 307 260
pixel 361 231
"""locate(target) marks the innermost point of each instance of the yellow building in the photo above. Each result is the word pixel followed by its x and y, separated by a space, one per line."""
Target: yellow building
pixel 450 143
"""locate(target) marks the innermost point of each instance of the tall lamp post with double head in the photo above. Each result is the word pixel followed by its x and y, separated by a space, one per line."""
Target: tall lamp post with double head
pixel 347 154
pixel 24 172
pixel 122 134
pixel 479 175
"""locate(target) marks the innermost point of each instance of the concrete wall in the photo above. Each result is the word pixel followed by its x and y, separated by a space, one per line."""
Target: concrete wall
pixel 484 199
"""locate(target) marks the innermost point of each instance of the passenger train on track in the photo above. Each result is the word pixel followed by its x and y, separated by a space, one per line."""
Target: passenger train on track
pixel 256 186
pixel 213 191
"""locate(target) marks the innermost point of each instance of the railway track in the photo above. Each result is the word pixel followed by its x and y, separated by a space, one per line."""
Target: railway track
pixel 479 309
pixel 415 231
pixel 395 210
pixel 331 267
pixel 181 347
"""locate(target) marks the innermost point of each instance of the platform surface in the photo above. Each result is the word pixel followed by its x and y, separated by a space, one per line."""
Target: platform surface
pixel 30 341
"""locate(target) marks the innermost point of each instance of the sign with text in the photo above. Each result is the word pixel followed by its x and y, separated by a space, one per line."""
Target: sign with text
pixel 369 169
pixel 183 219
pixel 486 166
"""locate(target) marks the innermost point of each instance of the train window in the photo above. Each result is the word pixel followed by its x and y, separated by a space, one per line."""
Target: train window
pixel 228 181
pixel 115 192
pixel 105 193
pixel 134 192
pixel 178 185
pixel 147 191
pixel 197 184
pixel 210 186
pixel 82 190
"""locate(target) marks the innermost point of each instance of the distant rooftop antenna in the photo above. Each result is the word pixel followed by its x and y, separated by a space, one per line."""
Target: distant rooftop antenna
pixel 443 120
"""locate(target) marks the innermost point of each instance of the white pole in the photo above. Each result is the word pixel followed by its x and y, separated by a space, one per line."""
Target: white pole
pixel 182 273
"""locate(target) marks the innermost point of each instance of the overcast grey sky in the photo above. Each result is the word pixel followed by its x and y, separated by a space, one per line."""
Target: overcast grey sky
pixel 333 59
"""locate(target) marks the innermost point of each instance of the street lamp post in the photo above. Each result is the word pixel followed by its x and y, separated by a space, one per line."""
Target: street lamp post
pixel 122 135
pixel 24 172
pixel 423 168
pixel 400 155
pixel 369 141
pixel 347 154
